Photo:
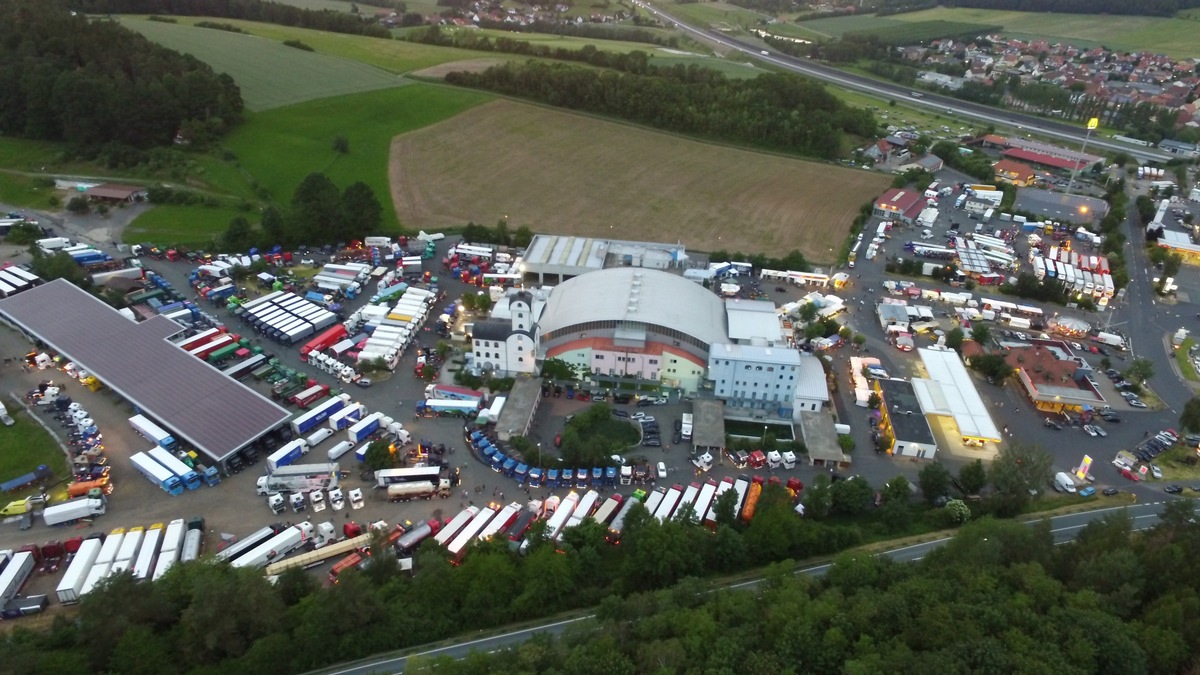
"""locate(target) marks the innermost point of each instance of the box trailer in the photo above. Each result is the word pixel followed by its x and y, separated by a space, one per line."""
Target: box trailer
pixel 190 479
pixel 157 473
pixel 458 546
pixel 428 474
pixel 364 428
pixel 311 395
pixel 152 432
pixel 247 543
pixel 130 545
pixel 99 572
pixel 710 518
pixel 276 547
pixel 69 587
pixel 304 423
pixel 74 511
pixel 455 525
pixel 143 566
pixel 172 548
pixel 346 417
pixel 15 573
pixel 287 454
pixel 453 392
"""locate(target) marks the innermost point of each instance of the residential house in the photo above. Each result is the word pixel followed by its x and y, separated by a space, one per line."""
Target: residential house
pixel 1014 172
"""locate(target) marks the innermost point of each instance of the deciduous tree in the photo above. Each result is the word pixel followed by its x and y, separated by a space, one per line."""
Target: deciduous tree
pixel 934 481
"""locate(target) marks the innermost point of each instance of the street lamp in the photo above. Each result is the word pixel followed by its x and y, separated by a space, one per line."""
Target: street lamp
pixel 1091 126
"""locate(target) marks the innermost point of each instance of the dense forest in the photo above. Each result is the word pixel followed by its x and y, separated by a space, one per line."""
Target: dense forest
pixel 776 111
pixel 93 83
pixel 249 10
pixel 1000 598
pixel 1140 8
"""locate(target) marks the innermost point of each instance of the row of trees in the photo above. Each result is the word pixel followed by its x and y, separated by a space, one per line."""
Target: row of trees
pixel 1000 598
pixel 599 31
pixel 1140 8
pixel 93 83
pixel 778 111
pixel 318 214
pixel 250 10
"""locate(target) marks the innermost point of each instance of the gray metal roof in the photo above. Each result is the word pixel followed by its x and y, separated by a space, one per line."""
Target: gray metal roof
pixel 193 400
pixel 753 320
pixel 638 296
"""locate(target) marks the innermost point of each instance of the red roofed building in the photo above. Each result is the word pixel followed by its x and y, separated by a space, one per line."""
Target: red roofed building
pixel 1014 172
pixel 903 204
pixel 1042 159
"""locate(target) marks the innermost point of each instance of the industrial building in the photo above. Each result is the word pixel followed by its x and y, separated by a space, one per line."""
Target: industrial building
pixel 194 401
pixel 902 422
pixel 1059 206
pixel 557 258
pixel 1054 379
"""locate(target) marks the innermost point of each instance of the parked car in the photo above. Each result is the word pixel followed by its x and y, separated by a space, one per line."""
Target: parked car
pixel 1052 424
pixel 1137 403
pixel 363 382
pixel 1173 489
pixel 1090 430
pixel 1087 491
pixel 662 469
pixel 620 413
pixel 1155 471
pixel 1109 492
pixel 1100 430
pixel 642 417
pixel 644 403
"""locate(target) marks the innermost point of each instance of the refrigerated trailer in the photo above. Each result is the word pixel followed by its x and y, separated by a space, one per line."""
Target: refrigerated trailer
pixel 455 525
pixel 68 590
pixel 276 547
pixel 190 479
pixel 157 473
pixel 152 432
pixel 143 566
pixel 15 573
pixel 172 545
pixel 458 546
pixel 247 543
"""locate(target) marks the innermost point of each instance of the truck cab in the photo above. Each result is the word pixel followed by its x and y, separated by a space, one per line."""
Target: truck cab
pixel 276 504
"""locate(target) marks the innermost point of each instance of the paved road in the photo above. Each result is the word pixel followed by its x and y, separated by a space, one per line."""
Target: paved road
pixel 940 103
pixel 1064 528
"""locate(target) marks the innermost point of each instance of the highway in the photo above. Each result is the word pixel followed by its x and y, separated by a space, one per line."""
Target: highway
pixel 1064 528
pixel 940 103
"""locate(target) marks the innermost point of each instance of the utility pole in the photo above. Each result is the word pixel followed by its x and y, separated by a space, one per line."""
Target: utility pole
pixel 1091 126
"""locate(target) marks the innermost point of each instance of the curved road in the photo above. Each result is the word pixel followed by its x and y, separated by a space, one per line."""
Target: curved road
pixel 868 85
pixel 1064 528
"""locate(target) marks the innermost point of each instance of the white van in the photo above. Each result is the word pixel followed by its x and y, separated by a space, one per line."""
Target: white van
pixel 1064 483
pixel 927 234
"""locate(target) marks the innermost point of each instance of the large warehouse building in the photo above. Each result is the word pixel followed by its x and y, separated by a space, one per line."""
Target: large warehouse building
pixel 214 413
pixel 629 323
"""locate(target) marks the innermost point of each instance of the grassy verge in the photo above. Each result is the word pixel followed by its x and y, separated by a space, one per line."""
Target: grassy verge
pixel 1175 464
pixel 28 191
pixel 1184 360
pixel 25 446
pixel 191 226
pixel 278 148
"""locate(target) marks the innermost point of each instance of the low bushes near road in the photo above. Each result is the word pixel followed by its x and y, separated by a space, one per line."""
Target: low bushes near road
pixel 1183 357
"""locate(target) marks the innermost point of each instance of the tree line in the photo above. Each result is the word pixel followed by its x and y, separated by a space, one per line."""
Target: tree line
pixel 777 111
pixel 101 87
pixel 248 10
pixel 1140 8
pixel 999 598
pixel 598 31
pixel 318 214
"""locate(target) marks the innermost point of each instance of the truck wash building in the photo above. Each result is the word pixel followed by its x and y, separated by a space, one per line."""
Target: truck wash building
pixel 951 403
pixel 194 401
pixel 902 422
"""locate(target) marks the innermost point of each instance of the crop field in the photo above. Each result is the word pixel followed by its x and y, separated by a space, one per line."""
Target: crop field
pixel 278 148
pixel 269 73
pixel 1176 37
pixel 577 175
pixel 924 31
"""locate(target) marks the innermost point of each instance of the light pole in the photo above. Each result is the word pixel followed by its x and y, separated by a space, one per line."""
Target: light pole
pixel 1091 126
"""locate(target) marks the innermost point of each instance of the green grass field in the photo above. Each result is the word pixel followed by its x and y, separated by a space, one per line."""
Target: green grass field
pixel 1176 37
pixel 334 6
pixel 25 446
pixel 270 74
pixel 925 31
pixel 27 191
pixel 720 15
pixel 278 148
pixel 191 226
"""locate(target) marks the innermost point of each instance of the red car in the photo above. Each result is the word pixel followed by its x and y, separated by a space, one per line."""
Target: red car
pixel 557 440
pixel 1130 475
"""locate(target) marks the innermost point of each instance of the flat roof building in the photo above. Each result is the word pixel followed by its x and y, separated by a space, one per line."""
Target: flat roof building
pixel 563 257
pixel 1059 206
pixel 752 379
pixel 753 322
pixel 196 402
pixel 949 391
pixel 902 421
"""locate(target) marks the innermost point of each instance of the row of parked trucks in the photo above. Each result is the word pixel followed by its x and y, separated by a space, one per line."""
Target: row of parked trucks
pixel 284 317
pixel 337 414
pixel 537 477
pixel 144 552
pixel 389 330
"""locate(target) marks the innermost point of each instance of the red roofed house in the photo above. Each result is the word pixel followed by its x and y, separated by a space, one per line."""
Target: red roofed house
pixel 903 204
pixel 1014 172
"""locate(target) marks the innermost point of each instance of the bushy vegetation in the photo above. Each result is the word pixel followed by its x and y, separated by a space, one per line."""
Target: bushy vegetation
pixel 594 435
pixel 783 112
pixel 917 32
pixel 1140 8
pixel 97 85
